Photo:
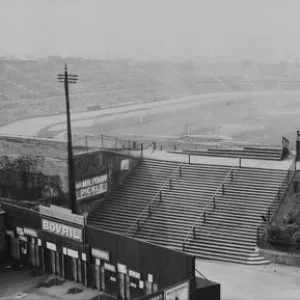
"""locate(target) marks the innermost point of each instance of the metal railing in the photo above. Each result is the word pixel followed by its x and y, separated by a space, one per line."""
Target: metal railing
pixel 212 200
pixel 148 207
pixel 274 205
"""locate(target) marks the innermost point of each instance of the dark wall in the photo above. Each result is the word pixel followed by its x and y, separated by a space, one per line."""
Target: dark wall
pixel 2 233
pixel 297 150
pixel 19 216
pixel 206 289
pixel 88 165
pixel 167 266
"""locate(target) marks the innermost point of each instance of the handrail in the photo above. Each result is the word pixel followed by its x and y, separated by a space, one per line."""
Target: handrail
pixel 285 184
pixel 206 206
pixel 152 200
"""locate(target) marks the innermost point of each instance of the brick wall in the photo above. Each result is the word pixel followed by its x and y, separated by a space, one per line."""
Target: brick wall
pixel 49 157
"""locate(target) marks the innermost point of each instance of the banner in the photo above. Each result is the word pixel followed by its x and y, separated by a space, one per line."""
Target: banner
pixel 178 292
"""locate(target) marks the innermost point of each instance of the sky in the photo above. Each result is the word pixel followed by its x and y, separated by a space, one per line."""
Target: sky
pixel 152 29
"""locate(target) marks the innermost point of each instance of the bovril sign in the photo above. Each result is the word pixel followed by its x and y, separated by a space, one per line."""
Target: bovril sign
pixel 62 230
pixel 91 187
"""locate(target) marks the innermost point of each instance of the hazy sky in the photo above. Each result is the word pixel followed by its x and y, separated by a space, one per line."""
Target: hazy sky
pixel 143 29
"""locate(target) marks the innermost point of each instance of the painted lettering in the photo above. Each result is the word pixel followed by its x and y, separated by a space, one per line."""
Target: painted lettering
pixel 62 230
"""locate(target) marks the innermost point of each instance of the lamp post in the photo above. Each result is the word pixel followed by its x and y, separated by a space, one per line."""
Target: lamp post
pixel 66 79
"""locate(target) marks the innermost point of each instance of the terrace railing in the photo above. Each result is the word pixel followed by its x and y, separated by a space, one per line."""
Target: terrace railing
pixel 273 207
pixel 148 209
pixel 211 202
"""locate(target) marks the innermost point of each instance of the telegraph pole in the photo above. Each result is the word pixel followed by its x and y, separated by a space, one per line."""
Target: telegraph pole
pixel 66 79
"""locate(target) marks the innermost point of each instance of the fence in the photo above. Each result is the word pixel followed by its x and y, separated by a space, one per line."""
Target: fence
pixel 148 208
pixel 212 202
pixel 273 207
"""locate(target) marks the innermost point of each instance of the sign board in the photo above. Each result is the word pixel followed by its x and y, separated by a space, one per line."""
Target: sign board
pixel 30 232
pixel 51 246
pixel 63 230
pixel 20 231
pixel 72 253
pixel 91 187
pixel 100 254
pixel 122 268
pixel 10 233
pixel 124 164
pixel 109 267
pixel 61 214
pixel 178 292
pixel 134 274
pixel 154 296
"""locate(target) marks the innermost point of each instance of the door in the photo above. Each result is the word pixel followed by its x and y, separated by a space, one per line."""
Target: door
pixel 68 267
pixel 97 274
pixel 111 285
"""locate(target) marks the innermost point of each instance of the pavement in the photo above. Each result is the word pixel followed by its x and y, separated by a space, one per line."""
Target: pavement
pixel 210 160
pixel 21 284
pixel 243 282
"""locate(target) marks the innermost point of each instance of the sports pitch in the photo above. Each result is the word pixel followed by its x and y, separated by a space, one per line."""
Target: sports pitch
pixel 257 118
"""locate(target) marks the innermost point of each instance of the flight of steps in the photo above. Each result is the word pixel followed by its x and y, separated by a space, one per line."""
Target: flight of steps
pixel 182 204
pixel 246 153
pixel 229 234
pixel 127 201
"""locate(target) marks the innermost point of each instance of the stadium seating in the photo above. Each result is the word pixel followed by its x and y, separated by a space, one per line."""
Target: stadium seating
pixel 229 231
pixel 246 152
pixel 127 201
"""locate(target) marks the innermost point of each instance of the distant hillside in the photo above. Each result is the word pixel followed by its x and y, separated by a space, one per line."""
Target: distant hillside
pixel 30 87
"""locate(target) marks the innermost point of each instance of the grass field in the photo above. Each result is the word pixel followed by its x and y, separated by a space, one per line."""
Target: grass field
pixel 255 118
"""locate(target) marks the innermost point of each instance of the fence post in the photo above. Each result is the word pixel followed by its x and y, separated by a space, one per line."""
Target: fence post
pixel 170 183
pixel 86 144
pixel 257 235
pixel 240 162
pixel 160 147
pixel 160 197
pixel 180 174
pixel 174 146
pixel 223 188
pixel 214 201
pixel 138 225
pixel 189 158
pixel 141 150
pixel 183 246
pixel 154 145
pixel 149 209
pixel 204 217
pixel 194 232
pixel 231 173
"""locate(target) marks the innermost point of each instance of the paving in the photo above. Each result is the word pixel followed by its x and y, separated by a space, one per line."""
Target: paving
pixel 209 160
pixel 241 282
pixel 20 284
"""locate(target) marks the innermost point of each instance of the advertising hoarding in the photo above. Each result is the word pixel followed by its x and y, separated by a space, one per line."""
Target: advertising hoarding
pixel 96 185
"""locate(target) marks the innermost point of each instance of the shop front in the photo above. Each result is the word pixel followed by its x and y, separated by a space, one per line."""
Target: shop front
pixel 63 243
pixel 114 278
pixel 23 246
